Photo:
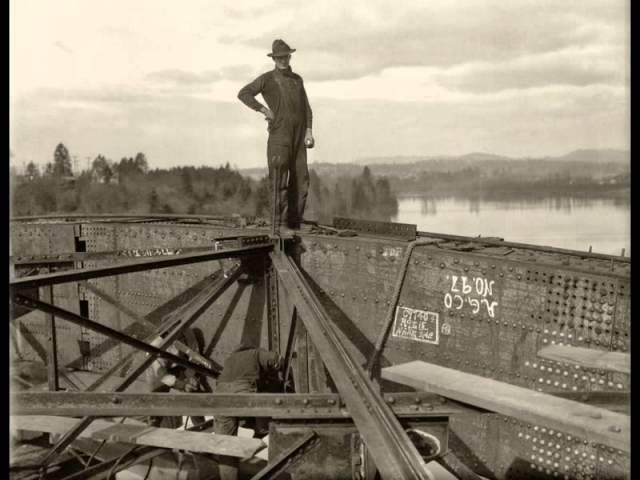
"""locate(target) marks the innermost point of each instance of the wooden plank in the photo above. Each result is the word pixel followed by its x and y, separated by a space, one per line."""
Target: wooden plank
pixel 583 421
pixel 588 357
pixel 145 435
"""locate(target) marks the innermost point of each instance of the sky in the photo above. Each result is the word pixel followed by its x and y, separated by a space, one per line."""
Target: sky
pixel 438 77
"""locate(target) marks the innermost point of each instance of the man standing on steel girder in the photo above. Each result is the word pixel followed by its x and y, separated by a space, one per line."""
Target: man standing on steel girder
pixel 289 117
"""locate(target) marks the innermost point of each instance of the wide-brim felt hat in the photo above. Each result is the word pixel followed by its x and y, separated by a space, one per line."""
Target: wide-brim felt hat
pixel 279 48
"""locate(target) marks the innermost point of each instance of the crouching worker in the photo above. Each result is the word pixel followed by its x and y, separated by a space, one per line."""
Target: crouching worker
pixel 243 371
pixel 166 376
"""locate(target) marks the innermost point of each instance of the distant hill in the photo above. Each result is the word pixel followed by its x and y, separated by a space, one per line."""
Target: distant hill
pixel 582 155
pixel 404 159
pixel 598 156
pixel 417 174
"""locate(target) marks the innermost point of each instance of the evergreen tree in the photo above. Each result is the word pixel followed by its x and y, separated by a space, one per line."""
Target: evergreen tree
pixel 32 171
pixel 102 169
pixel 140 163
pixel 61 162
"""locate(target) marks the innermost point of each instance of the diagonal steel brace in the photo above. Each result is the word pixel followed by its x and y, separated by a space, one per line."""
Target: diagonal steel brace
pixel 395 454
pixel 136 266
pixel 189 318
pixel 108 331
pixel 284 459
pixel 181 347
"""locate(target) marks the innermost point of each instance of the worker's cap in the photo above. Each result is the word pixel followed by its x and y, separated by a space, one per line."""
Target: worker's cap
pixel 279 48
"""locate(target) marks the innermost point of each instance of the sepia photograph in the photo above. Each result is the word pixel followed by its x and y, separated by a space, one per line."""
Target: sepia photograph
pixel 358 240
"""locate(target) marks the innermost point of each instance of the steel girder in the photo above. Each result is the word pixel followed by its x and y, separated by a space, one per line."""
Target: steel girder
pixel 374 419
pixel 290 405
pixel 135 266
pixel 124 254
pixel 107 331
pixel 188 316
pixel 395 454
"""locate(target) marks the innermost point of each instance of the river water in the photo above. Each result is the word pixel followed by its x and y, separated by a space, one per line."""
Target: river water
pixel 573 223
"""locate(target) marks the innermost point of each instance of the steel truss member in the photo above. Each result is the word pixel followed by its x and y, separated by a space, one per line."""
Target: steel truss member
pixel 171 329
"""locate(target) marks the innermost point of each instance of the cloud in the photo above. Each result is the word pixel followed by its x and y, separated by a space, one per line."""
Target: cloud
pixel 119 32
pixel 237 72
pixel 184 78
pixel 62 47
pixel 573 67
pixel 178 76
pixel 90 97
pixel 341 43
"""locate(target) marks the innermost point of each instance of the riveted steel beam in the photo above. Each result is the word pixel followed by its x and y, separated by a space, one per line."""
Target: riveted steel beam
pixel 290 405
pixel 52 345
pixel 135 266
pixel 525 246
pixel 402 231
pixel 273 309
pixel 64 258
pixel 127 254
pixel 395 454
pixel 288 354
pixel 116 216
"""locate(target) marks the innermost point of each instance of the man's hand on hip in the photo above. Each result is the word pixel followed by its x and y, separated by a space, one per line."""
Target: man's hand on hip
pixel 268 114
pixel 309 142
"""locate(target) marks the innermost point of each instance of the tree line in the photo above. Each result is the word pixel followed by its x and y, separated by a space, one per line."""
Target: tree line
pixel 130 186
pixel 474 182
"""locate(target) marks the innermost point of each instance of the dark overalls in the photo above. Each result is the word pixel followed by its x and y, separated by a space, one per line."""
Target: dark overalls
pixel 284 93
pixel 241 373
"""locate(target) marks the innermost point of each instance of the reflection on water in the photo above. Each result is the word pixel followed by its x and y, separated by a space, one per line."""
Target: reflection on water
pixel 566 222
pixel 429 205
